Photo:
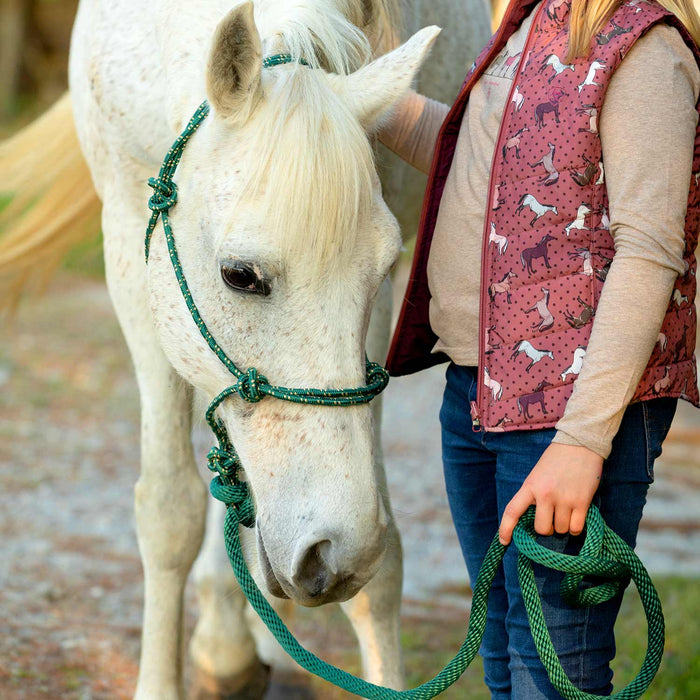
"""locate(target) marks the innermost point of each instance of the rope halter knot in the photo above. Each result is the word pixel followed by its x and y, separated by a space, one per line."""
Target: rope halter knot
pixel 377 377
pixel 236 497
pixel 227 487
pixel 249 386
pixel 164 194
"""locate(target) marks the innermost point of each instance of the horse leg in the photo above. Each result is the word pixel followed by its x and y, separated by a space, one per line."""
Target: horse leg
pixel 375 611
pixel 170 498
pixel 374 614
pixel 222 648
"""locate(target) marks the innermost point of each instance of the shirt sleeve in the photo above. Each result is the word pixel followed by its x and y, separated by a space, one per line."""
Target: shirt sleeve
pixel 647 131
pixel 412 128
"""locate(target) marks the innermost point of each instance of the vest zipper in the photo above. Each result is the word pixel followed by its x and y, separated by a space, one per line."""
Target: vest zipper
pixel 476 417
pixel 477 408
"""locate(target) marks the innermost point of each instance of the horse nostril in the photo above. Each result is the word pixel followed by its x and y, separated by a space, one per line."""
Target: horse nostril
pixel 315 572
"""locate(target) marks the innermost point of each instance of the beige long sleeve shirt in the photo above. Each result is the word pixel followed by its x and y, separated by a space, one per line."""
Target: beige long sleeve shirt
pixel 647 153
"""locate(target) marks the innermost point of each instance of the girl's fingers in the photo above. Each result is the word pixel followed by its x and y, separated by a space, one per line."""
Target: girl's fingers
pixel 562 520
pixel 578 521
pixel 544 518
pixel 517 506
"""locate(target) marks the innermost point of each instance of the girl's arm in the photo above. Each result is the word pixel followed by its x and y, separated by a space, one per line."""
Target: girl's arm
pixel 411 129
pixel 647 130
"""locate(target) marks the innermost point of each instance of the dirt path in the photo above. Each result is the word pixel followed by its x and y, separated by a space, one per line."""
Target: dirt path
pixel 70 577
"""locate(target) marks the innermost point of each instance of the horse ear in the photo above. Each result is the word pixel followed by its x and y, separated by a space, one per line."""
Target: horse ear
pixel 235 65
pixel 374 89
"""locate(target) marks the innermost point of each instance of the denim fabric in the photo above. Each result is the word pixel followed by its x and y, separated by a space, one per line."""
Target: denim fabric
pixel 483 471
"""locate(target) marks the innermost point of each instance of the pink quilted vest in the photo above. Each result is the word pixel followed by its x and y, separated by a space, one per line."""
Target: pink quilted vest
pixel 540 292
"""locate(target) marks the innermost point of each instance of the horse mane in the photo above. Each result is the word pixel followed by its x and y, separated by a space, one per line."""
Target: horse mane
pixel 339 36
pixel 314 169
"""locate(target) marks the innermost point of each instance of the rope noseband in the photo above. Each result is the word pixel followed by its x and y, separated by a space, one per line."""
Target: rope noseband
pixel 604 554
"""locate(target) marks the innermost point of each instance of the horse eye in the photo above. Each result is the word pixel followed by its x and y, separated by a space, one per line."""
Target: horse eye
pixel 244 278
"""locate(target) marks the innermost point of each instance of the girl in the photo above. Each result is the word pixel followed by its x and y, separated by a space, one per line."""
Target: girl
pixel 555 270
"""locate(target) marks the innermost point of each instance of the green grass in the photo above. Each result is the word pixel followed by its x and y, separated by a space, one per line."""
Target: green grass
pixel 679 675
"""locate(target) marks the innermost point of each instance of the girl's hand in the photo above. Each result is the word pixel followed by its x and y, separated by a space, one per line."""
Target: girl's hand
pixel 561 487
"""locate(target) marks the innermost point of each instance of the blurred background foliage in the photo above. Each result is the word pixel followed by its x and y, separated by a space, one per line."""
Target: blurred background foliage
pixel 34 45
pixel 34 42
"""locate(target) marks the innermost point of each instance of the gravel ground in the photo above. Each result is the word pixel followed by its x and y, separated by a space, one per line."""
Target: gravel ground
pixel 70 577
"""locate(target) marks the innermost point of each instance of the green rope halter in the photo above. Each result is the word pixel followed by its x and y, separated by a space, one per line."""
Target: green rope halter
pixel 604 554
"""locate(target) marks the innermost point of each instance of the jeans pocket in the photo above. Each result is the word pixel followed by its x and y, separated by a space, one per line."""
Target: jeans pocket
pixel 658 416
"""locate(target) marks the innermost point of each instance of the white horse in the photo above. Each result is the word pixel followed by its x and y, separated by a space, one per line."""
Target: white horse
pixel 576 364
pixel 579 223
pixel 278 191
pixel 500 241
pixel 585 255
pixel 533 354
pixel 538 209
pixel 590 77
pixel 518 99
pixel 557 66
pixel 493 386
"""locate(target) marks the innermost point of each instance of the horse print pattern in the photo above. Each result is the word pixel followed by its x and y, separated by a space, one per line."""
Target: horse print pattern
pixel 545 282
pixel 547 162
pixel 538 251
pixel 547 244
pixel 552 105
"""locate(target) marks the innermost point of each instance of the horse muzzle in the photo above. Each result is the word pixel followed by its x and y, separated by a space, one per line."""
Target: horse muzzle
pixel 323 568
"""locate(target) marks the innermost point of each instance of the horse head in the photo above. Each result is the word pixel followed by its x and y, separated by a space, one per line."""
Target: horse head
pixel 284 240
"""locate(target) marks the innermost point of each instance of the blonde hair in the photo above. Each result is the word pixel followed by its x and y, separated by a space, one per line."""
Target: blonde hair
pixel 588 17
pixel 313 168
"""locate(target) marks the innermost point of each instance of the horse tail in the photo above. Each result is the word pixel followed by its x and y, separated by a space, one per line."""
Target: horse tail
pixel 52 202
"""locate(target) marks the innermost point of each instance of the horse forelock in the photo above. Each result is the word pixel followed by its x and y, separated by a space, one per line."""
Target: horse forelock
pixel 311 169
pixel 311 166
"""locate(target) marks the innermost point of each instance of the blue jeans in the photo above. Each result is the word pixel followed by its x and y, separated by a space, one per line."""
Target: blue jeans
pixel 483 471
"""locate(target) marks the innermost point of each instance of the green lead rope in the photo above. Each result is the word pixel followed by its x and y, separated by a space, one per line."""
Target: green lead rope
pixel 613 558
pixel 604 554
